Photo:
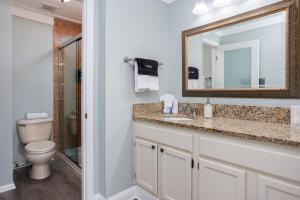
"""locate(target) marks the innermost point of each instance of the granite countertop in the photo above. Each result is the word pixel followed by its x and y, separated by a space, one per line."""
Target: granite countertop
pixel 278 133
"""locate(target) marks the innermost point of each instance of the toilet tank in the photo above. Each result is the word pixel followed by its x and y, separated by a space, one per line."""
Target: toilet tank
pixel 34 130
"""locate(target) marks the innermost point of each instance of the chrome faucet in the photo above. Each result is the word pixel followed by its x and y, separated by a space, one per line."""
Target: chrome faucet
pixel 192 110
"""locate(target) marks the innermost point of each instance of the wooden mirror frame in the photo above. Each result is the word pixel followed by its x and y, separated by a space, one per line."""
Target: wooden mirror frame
pixel 292 75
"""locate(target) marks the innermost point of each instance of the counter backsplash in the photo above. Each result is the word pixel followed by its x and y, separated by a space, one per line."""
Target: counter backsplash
pixel 242 112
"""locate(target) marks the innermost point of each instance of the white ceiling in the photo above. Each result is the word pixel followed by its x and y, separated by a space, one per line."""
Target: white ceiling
pixel 70 11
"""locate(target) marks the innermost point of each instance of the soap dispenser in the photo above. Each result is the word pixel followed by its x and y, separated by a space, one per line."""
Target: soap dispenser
pixel 208 111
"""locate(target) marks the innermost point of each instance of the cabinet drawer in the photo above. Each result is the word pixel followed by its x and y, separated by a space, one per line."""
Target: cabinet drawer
pixel 260 157
pixel 173 137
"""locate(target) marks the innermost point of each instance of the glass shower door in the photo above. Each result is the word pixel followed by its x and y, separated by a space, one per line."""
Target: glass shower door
pixel 70 101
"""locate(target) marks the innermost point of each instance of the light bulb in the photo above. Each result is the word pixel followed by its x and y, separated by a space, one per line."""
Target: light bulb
pixel 200 8
pixel 221 3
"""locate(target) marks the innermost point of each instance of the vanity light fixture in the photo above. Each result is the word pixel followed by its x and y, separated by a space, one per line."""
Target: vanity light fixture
pixel 221 3
pixel 200 8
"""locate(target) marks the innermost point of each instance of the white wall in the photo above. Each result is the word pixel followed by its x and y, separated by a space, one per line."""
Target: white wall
pixel 6 126
pixel 180 19
pixel 134 28
pixel 32 73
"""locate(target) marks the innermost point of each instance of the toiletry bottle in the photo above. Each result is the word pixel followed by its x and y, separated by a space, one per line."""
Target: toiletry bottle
pixel 175 107
pixel 169 110
pixel 208 112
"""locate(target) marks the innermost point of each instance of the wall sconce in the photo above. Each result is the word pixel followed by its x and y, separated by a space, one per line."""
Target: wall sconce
pixel 200 8
pixel 221 3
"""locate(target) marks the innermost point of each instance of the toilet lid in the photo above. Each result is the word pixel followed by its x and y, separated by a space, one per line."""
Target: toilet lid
pixel 40 146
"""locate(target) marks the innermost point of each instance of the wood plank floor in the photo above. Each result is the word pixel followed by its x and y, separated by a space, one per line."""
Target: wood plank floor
pixel 63 184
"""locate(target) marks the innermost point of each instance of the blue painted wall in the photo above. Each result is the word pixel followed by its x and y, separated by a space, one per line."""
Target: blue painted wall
pixel 6 126
pixel 271 52
pixel 32 73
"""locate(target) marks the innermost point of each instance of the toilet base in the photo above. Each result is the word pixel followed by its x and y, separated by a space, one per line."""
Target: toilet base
pixel 40 171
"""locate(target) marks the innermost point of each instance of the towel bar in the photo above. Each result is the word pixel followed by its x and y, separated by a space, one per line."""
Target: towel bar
pixel 127 60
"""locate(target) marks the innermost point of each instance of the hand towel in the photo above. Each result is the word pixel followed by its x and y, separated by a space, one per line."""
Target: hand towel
pixel 193 73
pixel 168 102
pixel 193 84
pixel 144 83
pixel 147 67
pixel 36 115
pixel 193 78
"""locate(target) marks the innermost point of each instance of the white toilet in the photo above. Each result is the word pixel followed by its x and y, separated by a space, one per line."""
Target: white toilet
pixel 35 134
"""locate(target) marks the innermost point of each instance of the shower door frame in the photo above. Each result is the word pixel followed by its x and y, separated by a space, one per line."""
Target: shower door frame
pixel 75 40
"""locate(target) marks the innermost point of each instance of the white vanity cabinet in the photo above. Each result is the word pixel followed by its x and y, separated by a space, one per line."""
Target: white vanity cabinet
pixel 239 169
pixel 218 180
pixel 175 174
pixel 163 171
pixel 277 189
pixel 177 163
pixel 146 165
pixel 163 162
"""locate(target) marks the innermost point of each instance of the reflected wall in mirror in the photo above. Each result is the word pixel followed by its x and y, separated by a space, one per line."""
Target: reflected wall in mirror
pixel 244 56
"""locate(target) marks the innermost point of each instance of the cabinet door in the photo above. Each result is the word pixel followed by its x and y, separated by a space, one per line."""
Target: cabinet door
pixel 220 181
pixel 146 165
pixel 275 189
pixel 174 174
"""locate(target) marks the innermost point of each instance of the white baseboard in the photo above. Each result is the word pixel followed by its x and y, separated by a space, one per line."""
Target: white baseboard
pixel 134 192
pixel 144 195
pixel 8 187
pixel 127 194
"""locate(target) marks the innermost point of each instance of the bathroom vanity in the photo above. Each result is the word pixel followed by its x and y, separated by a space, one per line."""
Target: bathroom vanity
pixel 213 159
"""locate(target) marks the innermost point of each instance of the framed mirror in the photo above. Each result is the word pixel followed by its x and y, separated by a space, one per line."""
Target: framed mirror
pixel 254 54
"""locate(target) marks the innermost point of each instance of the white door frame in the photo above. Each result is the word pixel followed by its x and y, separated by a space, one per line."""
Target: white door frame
pixel 88 101
pixel 214 55
pixel 214 61
pixel 254 45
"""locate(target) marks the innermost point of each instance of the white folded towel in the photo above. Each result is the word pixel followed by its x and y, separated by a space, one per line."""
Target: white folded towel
pixel 36 115
pixel 193 84
pixel 168 102
pixel 144 83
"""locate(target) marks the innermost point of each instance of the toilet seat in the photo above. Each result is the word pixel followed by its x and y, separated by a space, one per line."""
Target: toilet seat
pixel 40 147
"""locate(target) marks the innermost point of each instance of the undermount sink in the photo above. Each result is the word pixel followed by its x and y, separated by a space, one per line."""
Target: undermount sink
pixel 177 119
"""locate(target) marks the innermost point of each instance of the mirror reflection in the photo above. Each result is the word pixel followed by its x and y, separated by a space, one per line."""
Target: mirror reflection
pixel 242 56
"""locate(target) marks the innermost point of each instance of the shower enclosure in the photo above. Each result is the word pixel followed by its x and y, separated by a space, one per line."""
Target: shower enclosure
pixel 69 97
